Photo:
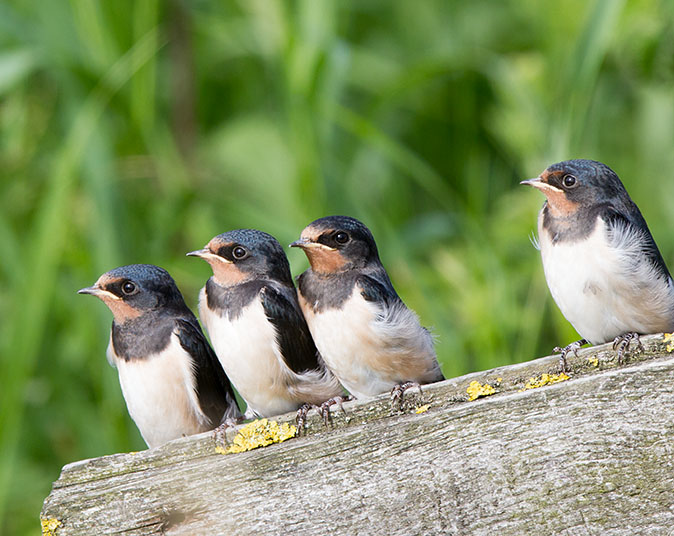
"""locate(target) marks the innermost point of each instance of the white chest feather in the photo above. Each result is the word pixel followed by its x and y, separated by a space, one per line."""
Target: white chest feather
pixel 371 352
pixel 160 395
pixel 246 347
pixel 605 286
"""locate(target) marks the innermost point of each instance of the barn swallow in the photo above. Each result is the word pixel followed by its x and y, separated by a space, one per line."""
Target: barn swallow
pixel 250 310
pixel 600 260
pixel 170 378
pixel 367 336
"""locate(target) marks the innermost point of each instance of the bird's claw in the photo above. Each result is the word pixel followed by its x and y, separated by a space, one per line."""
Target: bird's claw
pixel 324 410
pixel 622 344
pixel 220 432
pixel 398 393
pixel 301 417
pixel 573 347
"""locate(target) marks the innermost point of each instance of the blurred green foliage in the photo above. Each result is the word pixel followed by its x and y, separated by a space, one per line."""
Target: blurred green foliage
pixel 134 131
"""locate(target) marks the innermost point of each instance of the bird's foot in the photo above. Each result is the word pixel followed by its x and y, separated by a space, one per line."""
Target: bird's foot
pixel 573 347
pixel 622 344
pixel 398 393
pixel 324 410
pixel 301 417
pixel 220 432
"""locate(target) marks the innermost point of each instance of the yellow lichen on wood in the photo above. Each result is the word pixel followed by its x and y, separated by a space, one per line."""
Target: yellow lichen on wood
pixel 422 409
pixel 545 379
pixel 669 339
pixel 49 525
pixel 476 390
pixel 259 433
pixel 593 360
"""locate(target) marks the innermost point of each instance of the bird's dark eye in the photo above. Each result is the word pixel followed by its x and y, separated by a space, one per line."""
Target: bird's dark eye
pixel 341 237
pixel 129 287
pixel 569 181
pixel 239 253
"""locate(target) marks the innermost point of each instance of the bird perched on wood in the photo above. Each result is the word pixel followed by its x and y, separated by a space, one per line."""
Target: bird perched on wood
pixel 251 314
pixel 367 336
pixel 600 260
pixel 170 378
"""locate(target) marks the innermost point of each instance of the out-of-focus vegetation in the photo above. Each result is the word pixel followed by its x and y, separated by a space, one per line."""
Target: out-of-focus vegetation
pixel 134 131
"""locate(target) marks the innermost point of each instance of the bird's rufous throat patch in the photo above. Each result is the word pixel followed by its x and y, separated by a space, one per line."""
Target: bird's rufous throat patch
pixel 121 310
pixel 560 205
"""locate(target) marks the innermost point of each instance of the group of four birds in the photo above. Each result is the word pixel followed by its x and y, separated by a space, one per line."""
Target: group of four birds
pixel 345 326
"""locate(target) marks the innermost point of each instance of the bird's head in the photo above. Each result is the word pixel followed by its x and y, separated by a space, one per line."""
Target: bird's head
pixel 574 184
pixel 336 244
pixel 245 255
pixel 130 291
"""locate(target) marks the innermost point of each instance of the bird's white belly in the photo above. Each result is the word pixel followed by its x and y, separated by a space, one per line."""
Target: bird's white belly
pixel 600 290
pixel 160 395
pixel 348 341
pixel 247 350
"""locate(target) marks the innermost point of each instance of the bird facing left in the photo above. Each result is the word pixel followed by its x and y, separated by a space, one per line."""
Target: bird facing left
pixel 171 380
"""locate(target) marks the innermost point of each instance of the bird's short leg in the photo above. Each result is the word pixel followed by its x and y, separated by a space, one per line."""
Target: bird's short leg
pixel 220 432
pixel 573 347
pixel 324 410
pixel 622 344
pixel 398 392
pixel 301 417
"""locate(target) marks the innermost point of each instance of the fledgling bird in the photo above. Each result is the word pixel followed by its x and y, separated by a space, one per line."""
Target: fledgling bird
pixel 250 311
pixel 600 260
pixel 171 380
pixel 367 336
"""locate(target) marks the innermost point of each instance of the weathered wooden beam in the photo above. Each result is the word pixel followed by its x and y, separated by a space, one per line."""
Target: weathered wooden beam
pixel 593 455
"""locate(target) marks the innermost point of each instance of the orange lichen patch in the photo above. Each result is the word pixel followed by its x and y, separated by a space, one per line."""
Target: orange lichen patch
pixel 669 339
pixel 544 379
pixel 476 390
pixel 259 433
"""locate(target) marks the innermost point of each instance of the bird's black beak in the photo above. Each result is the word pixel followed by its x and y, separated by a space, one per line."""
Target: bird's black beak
pixel 306 243
pixel 535 182
pixel 90 290
pixel 207 255
pixel 302 242
pixel 198 253
pixel 98 292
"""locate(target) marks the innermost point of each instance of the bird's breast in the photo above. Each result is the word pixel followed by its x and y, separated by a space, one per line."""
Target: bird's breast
pixel 160 394
pixel 248 352
pixel 604 285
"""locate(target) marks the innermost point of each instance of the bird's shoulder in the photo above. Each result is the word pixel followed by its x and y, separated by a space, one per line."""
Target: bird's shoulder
pixel 377 287
pixel 627 229
pixel 282 310
pixel 215 393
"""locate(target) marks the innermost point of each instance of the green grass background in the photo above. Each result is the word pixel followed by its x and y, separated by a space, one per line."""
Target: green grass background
pixel 134 131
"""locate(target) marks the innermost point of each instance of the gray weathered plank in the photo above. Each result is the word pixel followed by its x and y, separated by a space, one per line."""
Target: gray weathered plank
pixel 588 456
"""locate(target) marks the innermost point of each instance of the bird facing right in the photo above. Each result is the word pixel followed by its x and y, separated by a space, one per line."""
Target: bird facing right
pixel 367 336
pixel 600 261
